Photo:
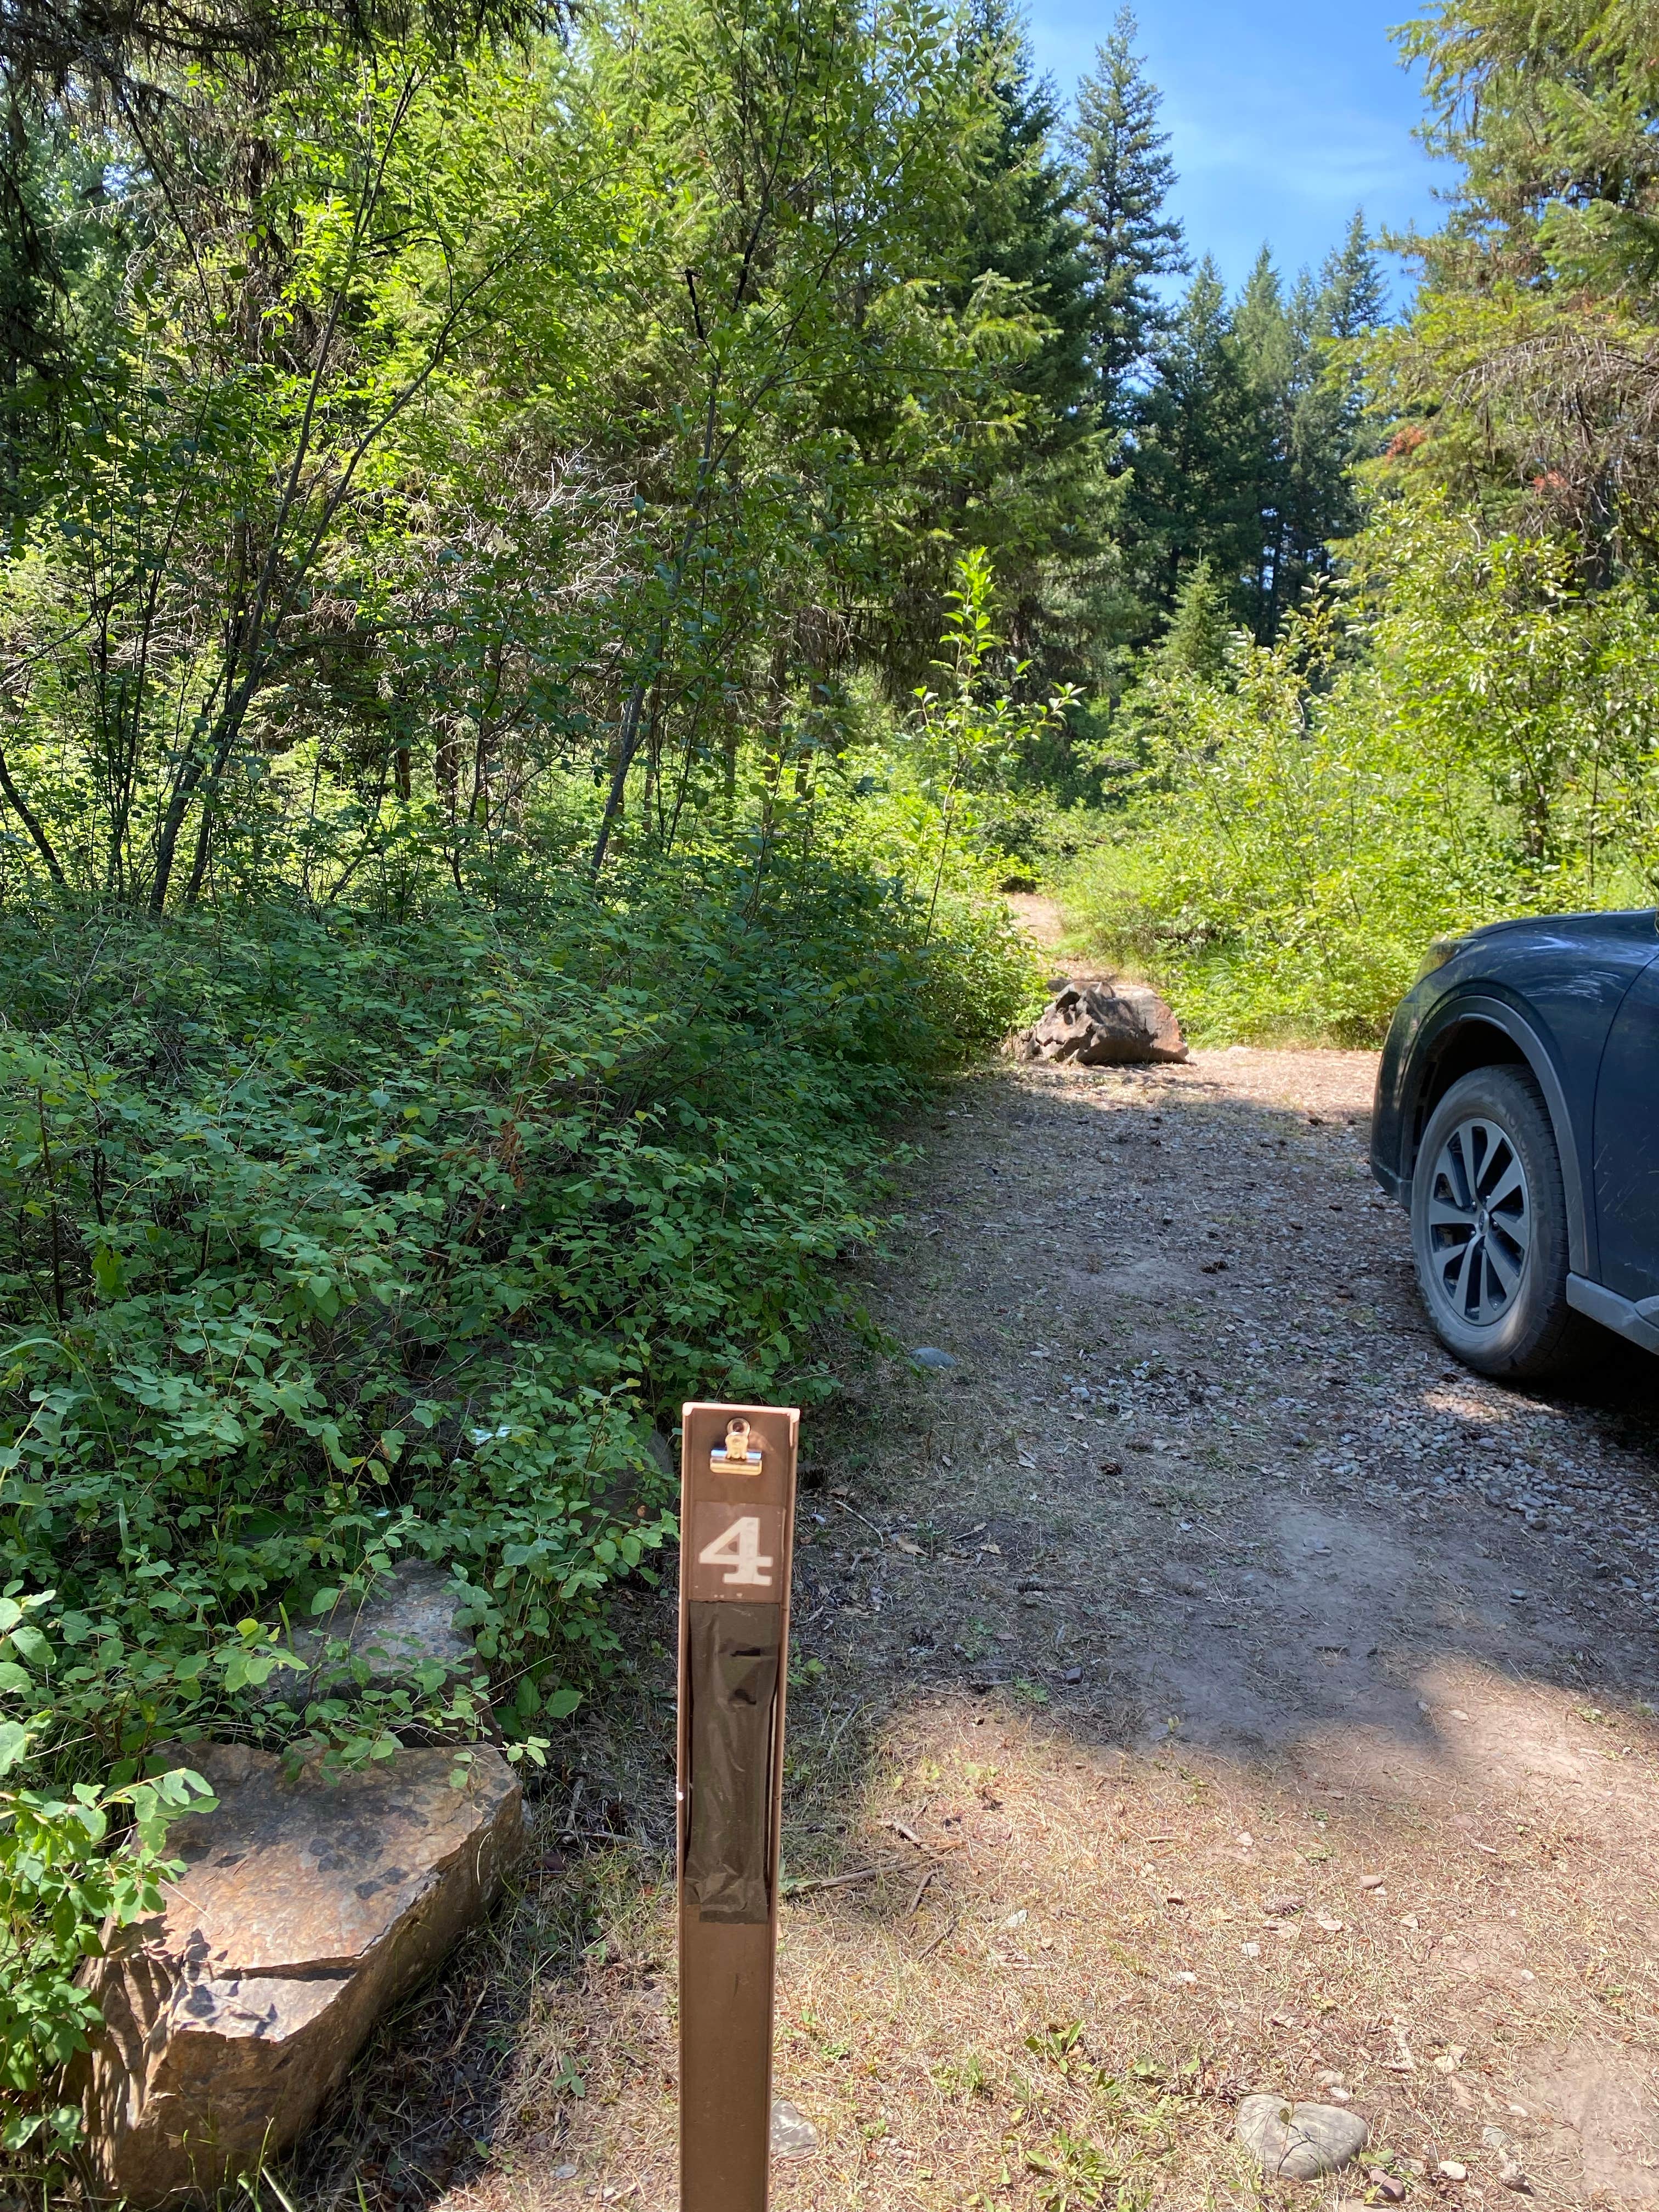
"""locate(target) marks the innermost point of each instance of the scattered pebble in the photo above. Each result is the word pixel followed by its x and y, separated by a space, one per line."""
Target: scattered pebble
pixel 1451 2169
pixel 794 2135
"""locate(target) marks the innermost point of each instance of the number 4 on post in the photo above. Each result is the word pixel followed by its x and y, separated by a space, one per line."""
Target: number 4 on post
pixel 739 1549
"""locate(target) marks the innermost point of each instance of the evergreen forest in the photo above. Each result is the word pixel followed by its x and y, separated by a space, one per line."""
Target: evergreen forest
pixel 555 564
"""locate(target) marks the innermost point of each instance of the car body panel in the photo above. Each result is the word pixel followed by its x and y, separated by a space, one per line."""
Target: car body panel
pixel 1626 1147
pixel 1548 992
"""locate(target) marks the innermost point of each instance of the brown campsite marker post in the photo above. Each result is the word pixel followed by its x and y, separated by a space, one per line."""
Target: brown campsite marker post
pixel 736 1535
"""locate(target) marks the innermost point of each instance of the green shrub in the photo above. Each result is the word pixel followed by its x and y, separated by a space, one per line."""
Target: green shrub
pixel 1309 822
pixel 58 1886
pixel 330 1240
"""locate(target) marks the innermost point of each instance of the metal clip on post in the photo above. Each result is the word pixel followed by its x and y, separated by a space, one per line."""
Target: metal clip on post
pixel 739 1454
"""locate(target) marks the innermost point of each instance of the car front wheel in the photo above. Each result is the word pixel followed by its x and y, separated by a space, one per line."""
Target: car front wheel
pixel 1489 1230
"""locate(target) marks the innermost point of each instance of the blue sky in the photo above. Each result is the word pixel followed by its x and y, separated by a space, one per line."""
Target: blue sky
pixel 1284 116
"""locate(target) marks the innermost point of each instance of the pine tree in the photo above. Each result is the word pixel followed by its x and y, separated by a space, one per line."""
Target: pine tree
pixel 1328 432
pixel 1017 223
pixel 1309 427
pixel 1036 490
pixel 1262 325
pixel 1353 296
pixel 1196 449
pixel 1125 177
pixel 1201 628
pixel 1047 509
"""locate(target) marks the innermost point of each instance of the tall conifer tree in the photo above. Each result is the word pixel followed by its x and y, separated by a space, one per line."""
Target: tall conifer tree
pixel 1196 447
pixel 1308 428
pixel 1017 224
pixel 1047 509
pixel 1125 177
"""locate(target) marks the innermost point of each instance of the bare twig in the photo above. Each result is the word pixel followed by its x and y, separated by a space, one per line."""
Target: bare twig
pixel 839 1881
pixel 944 1933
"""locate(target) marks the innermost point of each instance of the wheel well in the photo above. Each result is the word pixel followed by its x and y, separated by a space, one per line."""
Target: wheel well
pixel 1458 1052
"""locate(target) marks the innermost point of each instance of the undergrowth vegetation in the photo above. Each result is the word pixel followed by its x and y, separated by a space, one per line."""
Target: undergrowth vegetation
pixel 1465 733
pixel 334 1240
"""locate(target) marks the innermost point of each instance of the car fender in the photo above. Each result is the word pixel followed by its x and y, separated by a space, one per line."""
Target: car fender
pixel 1486 1009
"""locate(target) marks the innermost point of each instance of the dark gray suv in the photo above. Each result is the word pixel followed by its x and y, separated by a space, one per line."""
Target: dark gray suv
pixel 1518 1120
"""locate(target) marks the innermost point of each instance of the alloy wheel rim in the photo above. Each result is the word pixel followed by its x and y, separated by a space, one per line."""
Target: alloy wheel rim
pixel 1480 1223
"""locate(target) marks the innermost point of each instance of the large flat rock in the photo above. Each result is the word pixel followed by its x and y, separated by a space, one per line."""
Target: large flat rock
pixel 305 1909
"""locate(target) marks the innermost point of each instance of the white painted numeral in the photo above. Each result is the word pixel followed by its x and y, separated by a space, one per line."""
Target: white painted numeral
pixel 739 1549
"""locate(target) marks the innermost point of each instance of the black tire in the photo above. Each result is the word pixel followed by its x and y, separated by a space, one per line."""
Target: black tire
pixel 1494 1275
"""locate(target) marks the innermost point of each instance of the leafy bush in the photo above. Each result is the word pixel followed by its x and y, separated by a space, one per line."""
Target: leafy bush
pixel 1309 820
pixel 332 1241
pixel 57 1888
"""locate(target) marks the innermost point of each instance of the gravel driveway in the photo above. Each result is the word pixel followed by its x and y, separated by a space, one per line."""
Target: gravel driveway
pixel 1200 1687
pixel 1179 1292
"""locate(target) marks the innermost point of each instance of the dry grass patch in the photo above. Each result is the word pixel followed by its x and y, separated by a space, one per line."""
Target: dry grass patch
pixel 1073 1961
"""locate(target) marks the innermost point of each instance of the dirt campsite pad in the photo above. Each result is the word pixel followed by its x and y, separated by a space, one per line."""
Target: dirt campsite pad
pixel 1201 1687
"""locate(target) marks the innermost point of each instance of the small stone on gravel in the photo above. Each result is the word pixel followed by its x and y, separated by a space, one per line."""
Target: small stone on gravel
pixel 1299 2142
pixel 794 2135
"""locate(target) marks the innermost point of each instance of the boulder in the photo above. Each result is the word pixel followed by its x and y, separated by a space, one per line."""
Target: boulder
pixel 1104 1025
pixel 1300 2142
pixel 305 1909
pixel 407 1622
